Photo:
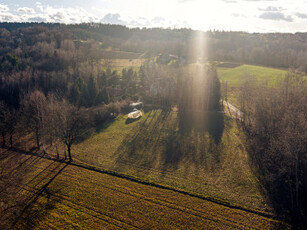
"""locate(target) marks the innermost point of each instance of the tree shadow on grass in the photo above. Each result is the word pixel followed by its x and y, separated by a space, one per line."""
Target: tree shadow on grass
pixel 33 211
pixel 129 120
pixel 137 148
pixel 25 195
pixel 158 145
pixel 276 187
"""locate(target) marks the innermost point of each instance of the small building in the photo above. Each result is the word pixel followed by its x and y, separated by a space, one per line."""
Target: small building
pixel 166 58
pixel 136 105
pixel 135 114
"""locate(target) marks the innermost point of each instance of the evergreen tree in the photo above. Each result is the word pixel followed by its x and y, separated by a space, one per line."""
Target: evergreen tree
pixel 214 90
pixel 99 99
pixel 105 96
pixel 75 92
pixel 92 89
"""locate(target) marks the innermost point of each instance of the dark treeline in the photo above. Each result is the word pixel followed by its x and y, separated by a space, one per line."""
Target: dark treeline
pixel 199 102
pixel 62 106
pixel 55 87
pixel 272 49
pixel 275 122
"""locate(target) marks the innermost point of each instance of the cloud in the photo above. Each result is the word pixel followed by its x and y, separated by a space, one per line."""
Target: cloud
pixel 4 8
pixel 62 15
pixel 236 1
pixel 39 6
pixel 113 19
pixel 272 8
pixel 58 16
pixel 184 1
pixel 26 10
pixel 158 20
pixel 301 15
pixel 259 0
pixel 8 17
pixel 239 15
pixel 46 13
pixel 37 19
pixel 276 16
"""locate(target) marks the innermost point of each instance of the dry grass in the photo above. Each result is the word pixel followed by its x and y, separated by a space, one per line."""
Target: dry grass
pixel 42 193
pixel 152 149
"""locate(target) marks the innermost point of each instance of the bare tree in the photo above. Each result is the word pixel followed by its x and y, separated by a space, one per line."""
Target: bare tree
pixel 277 128
pixel 70 124
pixel 34 108
pixel 12 123
pixel 3 120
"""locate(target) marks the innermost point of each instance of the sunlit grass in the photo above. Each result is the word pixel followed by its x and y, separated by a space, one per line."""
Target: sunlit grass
pixel 148 149
pixel 236 76
pixel 79 198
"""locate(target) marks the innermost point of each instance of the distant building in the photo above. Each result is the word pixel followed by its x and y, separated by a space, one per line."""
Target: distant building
pixel 166 58
pixel 137 105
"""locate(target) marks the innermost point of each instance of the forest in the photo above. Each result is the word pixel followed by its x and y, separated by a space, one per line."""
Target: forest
pixel 57 82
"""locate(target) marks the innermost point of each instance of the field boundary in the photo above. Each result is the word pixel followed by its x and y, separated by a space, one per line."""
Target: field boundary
pixel 156 185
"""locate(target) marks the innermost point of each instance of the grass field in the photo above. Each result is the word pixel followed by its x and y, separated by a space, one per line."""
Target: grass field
pixel 152 149
pixel 120 64
pixel 37 193
pixel 237 75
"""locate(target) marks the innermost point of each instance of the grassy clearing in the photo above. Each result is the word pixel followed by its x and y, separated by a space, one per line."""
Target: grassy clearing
pixel 237 75
pixel 38 193
pixel 127 62
pixel 153 149
pixel 120 64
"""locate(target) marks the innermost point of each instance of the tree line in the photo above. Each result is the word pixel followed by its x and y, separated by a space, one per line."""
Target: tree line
pixel 66 111
pixel 274 119
pixel 56 46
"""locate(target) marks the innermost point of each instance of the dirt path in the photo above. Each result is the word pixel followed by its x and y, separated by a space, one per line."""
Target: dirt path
pixel 233 111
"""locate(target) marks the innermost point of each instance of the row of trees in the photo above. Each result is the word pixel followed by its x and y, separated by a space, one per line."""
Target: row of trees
pixel 54 115
pixel 48 119
pixel 275 119
pixel 86 86
pixel 54 47
pixel 199 102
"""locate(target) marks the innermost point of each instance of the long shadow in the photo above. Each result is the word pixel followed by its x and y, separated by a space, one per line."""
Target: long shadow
pixel 129 120
pixel 276 187
pixel 215 125
pixel 51 204
pixel 156 137
pixel 104 125
pixel 30 219
pixel 7 154
pixel 139 146
pixel 18 185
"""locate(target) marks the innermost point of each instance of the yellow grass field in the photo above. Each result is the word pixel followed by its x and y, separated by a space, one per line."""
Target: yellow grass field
pixel 38 193
pixel 152 149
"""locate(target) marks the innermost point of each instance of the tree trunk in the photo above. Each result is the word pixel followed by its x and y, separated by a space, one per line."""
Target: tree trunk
pixel 69 152
pixel 297 170
pixel 37 141
pixel 3 138
pixel 65 155
pixel 11 140
pixel 57 151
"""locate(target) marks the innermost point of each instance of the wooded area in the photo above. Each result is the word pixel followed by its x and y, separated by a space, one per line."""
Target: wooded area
pixel 58 81
pixel 275 122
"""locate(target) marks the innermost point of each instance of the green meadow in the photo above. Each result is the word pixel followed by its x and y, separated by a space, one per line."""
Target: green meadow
pixel 153 149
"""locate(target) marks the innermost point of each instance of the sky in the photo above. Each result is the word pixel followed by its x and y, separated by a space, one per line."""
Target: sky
pixel 235 15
